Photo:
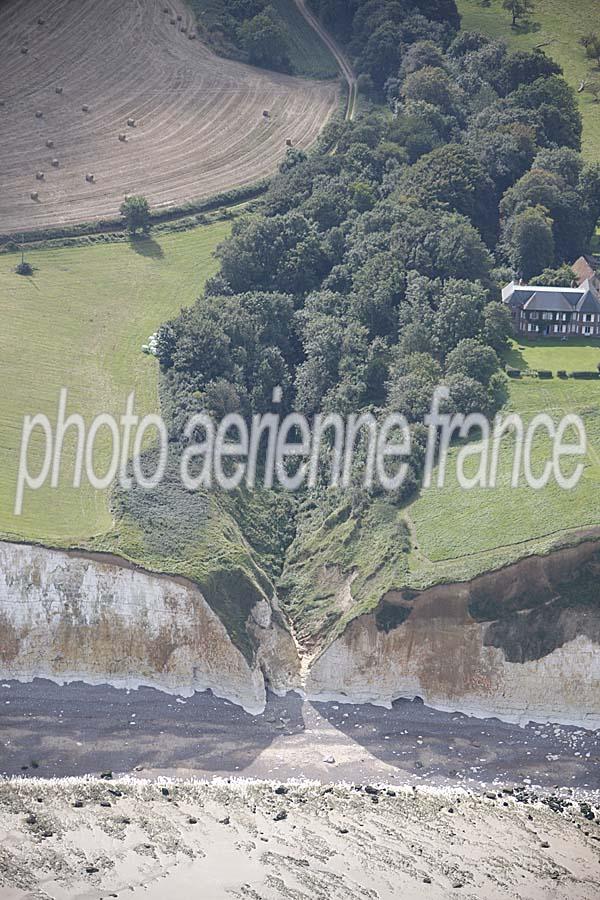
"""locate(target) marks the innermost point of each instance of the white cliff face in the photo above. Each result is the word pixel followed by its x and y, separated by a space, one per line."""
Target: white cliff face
pixel 441 654
pixel 74 616
pixel 366 666
pixel 68 617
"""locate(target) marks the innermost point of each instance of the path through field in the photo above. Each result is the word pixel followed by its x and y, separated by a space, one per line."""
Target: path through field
pixel 199 123
pixel 340 57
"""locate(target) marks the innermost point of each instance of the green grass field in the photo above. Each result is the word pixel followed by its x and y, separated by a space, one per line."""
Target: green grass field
pixel 309 55
pixel 79 323
pixel 451 523
pixel 558 25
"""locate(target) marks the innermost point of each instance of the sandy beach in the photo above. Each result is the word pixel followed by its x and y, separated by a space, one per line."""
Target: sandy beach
pixel 85 839
pixel 111 793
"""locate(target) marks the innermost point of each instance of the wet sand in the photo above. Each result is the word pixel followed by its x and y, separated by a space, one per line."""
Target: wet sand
pixel 48 730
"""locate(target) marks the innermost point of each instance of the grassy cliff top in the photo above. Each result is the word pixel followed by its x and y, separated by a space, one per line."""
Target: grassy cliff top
pixel 79 323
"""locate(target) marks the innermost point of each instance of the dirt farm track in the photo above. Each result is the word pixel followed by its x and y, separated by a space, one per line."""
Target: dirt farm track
pixel 72 72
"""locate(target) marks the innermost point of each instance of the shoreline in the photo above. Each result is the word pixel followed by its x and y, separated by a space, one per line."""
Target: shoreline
pixel 78 839
pixel 78 729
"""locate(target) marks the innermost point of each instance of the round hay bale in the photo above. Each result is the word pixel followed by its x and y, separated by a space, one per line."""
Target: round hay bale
pixel 192 36
pixel 166 9
pixel 35 195
pixel 184 29
pixel 24 49
pixel 50 143
pixel 2 102
pixel 173 21
pixel 179 18
pixel 131 123
pixel 41 20
pixel 39 176
pixel 122 137
pixel 90 177
pixel 55 163
pixel 266 113
pixel 289 143
pixel 58 90
pixel 39 114
pixel 85 108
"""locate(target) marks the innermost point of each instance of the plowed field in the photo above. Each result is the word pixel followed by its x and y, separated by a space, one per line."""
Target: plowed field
pixel 199 124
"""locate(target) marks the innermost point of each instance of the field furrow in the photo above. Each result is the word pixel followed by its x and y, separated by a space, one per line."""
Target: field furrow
pixel 199 123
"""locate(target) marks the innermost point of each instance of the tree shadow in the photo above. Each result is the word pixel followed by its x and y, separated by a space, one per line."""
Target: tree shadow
pixel 425 744
pixel 514 358
pixel 146 246
pixel 79 729
pixel 526 27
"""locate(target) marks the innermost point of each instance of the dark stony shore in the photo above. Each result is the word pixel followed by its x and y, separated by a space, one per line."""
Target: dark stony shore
pixel 49 730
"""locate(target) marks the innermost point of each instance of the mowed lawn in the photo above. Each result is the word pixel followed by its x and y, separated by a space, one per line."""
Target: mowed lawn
pixel 557 25
pixel 79 323
pixel 451 522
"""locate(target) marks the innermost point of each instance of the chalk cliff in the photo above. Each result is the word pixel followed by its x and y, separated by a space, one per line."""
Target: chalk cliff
pixel 521 643
pixel 74 616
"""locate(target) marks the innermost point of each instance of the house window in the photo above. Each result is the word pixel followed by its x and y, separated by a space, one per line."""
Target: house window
pixel 563 328
pixel 547 316
pixel 587 329
pixel 533 316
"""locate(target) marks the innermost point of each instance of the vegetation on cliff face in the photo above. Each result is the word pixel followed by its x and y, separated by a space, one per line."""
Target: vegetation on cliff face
pixel 341 564
pixel 373 274
pixel 232 546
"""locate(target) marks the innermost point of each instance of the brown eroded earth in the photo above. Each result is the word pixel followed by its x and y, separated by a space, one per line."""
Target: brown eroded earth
pixel 199 123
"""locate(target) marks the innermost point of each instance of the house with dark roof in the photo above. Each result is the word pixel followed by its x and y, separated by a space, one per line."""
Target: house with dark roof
pixel 541 311
pixel 586 268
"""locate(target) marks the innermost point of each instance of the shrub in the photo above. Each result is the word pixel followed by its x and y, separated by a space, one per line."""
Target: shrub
pixel 512 372
pixel 24 268
pixel 544 373
pixel 588 375
pixel 136 212
pixel 562 374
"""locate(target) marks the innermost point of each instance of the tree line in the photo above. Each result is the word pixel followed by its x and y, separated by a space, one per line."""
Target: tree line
pixel 373 274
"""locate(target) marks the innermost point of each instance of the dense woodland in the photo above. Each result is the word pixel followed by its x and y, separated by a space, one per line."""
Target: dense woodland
pixel 249 29
pixel 372 273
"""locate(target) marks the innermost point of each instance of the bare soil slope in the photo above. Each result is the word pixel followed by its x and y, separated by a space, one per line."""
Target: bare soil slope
pixel 199 123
